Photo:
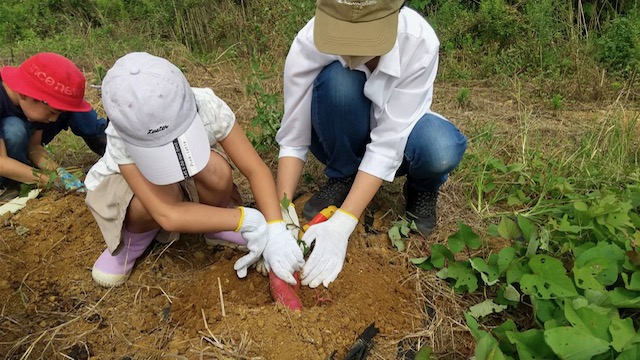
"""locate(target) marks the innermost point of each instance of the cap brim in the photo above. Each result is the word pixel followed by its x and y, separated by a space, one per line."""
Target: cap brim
pixel 23 85
pixel 372 38
pixel 173 162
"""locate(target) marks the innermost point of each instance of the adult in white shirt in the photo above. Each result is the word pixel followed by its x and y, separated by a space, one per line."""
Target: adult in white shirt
pixel 358 87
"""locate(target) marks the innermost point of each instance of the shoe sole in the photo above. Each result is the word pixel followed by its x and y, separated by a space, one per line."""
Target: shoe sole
pixel 108 280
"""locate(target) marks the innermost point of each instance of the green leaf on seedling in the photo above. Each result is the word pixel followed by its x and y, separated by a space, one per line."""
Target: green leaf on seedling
pixel 464 237
pixel 285 202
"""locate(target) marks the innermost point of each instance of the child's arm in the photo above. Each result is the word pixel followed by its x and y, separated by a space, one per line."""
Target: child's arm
pixel 38 155
pixel 167 207
pixel 15 170
pixel 41 159
pixel 282 254
pixel 251 165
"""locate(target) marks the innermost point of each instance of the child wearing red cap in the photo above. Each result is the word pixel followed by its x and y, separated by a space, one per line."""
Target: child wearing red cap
pixel 38 99
pixel 162 175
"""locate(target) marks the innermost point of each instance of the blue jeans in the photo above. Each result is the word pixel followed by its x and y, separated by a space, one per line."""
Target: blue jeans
pixel 17 132
pixel 340 132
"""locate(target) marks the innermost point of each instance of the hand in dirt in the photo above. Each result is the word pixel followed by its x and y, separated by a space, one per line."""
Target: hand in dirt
pixel 253 228
pixel 282 253
pixel 69 181
pixel 326 259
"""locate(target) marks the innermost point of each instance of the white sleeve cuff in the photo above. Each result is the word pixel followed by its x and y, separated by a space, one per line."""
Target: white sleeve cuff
pixel 299 152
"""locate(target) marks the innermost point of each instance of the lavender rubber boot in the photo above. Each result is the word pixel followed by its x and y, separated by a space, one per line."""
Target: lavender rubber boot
pixel 226 238
pixel 114 270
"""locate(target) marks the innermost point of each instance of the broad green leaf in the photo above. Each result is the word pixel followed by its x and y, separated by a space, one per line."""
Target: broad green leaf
pixel 500 331
pixel 546 310
pixel 527 228
pixel 590 318
pixel 464 237
pixel 396 238
pixel 634 284
pixel 566 226
pixel 508 229
pixel 623 298
pixel 424 353
pixel 580 206
pixel 465 278
pixel 549 279
pixel 487 349
pixel 439 255
pixel 489 274
pixel 474 328
pixel 571 343
pixel 511 293
pixel 517 270
pixel 632 353
pixel 622 330
pixel 598 266
pixel 485 308
pixel 505 257
pixel 530 344
pixel 423 263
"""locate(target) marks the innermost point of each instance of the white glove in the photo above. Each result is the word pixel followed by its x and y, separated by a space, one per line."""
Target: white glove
pixel 253 228
pixel 291 219
pixel 282 254
pixel 326 259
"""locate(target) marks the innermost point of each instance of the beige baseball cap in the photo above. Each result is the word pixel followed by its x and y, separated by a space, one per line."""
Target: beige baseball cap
pixel 356 27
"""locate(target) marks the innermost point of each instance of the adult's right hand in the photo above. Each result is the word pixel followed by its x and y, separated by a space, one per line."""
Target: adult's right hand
pixel 331 238
pixel 253 228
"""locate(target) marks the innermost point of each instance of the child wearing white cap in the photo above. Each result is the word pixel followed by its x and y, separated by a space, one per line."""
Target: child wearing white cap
pixel 161 176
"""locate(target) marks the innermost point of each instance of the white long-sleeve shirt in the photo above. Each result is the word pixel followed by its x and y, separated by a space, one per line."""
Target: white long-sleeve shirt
pixel 400 90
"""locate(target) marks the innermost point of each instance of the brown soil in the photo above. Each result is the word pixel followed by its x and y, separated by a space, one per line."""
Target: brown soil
pixel 184 301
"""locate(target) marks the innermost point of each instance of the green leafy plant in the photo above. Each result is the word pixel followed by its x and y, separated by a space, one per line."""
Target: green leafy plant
pixel 464 97
pixel 557 103
pixel 266 122
pixel 399 232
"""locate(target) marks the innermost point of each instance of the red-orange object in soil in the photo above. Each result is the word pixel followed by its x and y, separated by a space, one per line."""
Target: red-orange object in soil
pixel 284 293
pixel 287 294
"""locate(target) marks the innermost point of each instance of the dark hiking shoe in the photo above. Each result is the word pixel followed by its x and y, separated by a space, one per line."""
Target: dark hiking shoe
pixel 421 208
pixel 332 193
